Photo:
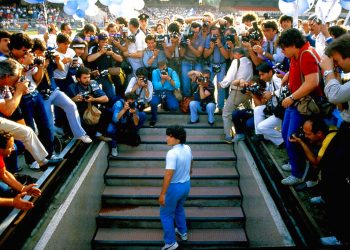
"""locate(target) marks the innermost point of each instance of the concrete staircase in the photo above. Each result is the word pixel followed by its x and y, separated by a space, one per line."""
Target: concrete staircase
pixel 129 217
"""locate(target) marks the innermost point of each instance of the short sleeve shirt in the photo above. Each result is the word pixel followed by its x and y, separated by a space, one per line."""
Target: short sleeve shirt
pixel 179 159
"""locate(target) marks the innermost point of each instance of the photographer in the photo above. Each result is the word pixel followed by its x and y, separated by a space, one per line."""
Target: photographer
pixel 141 86
pixel 53 96
pixel 105 58
pixel 203 98
pixel 127 119
pixel 250 39
pixel 336 175
pixel 88 91
pixel 173 50
pixel 154 53
pixel 165 80
pixel 4 42
pixel 241 69
pixel 88 34
pixel 192 46
pixel 136 44
pixel 217 53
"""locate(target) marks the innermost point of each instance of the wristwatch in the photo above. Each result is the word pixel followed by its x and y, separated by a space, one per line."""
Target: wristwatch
pixel 291 97
pixel 327 72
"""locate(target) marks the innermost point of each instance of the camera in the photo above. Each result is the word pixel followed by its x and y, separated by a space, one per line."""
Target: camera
pixel 205 24
pixel 204 81
pixel 230 37
pixel 144 79
pixel 125 30
pixel 92 38
pixel 160 39
pixel 108 47
pixel 279 68
pixel 255 89
pixel 188 34
pixel 299 134
pixel 214 37
pixel 38 61
pixel 132 105
pixel 174 35
pixel 22 79
pixel 102 74
pixel 254 34
pixel 85 95
pixel 164 72
pixel 45 93
pixel 131 38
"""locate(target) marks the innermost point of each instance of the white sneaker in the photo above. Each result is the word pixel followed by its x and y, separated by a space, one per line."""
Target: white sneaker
pixel 330 241
pixel 317 200
pixel 114 152
pixel 291 181
pixel 286 167
pixel 182 236
pixel 85 139
pixel 170 246
pixel 311 184
pixel 34 166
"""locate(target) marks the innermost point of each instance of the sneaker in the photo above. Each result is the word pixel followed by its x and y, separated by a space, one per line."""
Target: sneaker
pixel 211 124
pixel 238 137
pixel 286 167
pixel 34 166
pixel 228 140
pixel 104 138
pixel 152 124
pixel 191 122
pixel 85 139
pixel 330 241
pixel 311 184
pixel 182 236
pixel 317 200
pixel 114 152
pixel 170 246
pixel 291 181
pixel 51 162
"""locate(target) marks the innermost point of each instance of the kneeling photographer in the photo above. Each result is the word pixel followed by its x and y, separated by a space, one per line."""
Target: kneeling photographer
pixel 88 96
pixel 203 98
pixel 107 60
pixel 127 119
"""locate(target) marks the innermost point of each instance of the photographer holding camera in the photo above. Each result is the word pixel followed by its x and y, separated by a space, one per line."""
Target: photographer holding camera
pixel 88 91
pixel 53 96
pixel 217 53
pixel 165 80
pixel 141 86
pixel 105 58
pixel 173 50
pixel 192 46
pixel 154 53
pixel 204 100
pixel 127 119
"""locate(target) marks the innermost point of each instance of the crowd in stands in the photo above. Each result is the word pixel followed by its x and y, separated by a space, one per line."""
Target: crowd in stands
pixel 253 71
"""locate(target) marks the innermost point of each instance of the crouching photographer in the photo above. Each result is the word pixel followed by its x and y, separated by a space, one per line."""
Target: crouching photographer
pixel 203 99
pixel 87 95
pixel 127 119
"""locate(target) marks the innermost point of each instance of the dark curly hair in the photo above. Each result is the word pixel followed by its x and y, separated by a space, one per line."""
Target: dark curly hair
pixel 291 37
pixel 4 138
pixel 178 132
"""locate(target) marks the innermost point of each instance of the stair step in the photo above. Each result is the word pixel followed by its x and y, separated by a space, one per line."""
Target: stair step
pixel 153 176
pixel 140 163
pixel 148 217
pixel 164 147
pixel 189 131
pixel 199 196
pixel 131 238
pixel 202 155
pixel 208 139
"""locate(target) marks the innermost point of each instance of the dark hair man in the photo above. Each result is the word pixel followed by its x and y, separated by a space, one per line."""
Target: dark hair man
pixel 4 44
pixel 176 186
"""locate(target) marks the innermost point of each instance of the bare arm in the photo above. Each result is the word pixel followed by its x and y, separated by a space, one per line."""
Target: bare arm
pixel 166 182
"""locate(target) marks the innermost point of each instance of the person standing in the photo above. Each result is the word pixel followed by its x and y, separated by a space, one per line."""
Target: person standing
pixel 176 187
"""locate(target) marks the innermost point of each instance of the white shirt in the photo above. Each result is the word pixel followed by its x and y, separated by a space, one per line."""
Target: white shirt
pixel 179 159
pixel 245 72
pixel 141 94
pixel 59 74
pixel 138 45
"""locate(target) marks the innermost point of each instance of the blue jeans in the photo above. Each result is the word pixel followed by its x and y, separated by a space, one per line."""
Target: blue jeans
pixel 222 93
pixel 187 66
pixel 33 108
pixel 195 107
pixel 60 99
pixel 291 123
pixel 171 102
pixel 242 118
pixel 108 88
pixel 174 210
pixel 112 129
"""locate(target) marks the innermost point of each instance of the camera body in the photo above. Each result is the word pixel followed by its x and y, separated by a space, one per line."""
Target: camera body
pixel 38 61
pixel 160 39
pixel 186 35
pixel 164 72
pixel 175 35
pixel 255 89
pixel 279 68
pixel 102 74
pixel 85 95
pixel 300 134
pixel 108 47
pixel 254 34
pixel 131 38
pixel 203 81
pixel 45 93
pixel 140 106
pixel 214 37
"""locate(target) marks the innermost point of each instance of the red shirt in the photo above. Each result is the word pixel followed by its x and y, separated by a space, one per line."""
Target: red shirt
pixel 2 163
pixel 308 66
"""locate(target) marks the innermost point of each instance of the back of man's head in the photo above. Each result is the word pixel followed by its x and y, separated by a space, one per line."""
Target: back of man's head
pixel 291 37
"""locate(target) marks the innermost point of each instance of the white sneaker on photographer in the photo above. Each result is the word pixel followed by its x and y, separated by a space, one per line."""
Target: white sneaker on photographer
pixel 114 152
pixel 85 139
pixel 34 166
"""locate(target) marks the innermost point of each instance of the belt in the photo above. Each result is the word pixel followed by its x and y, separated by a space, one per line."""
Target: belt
pixel 58 79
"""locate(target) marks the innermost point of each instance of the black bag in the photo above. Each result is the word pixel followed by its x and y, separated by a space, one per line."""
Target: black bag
pixel 126 67
pixel 127 134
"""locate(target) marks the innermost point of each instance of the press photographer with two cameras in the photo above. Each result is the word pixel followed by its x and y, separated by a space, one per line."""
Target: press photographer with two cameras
pixel 253 36
pixel 204 100
pixel 173 50
pixel 192 46
pixel 165 80
pixel 53 96
pixel 217 53
pixel 127 119
pixel 141 86
pixel 104 57
pixel 87 91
